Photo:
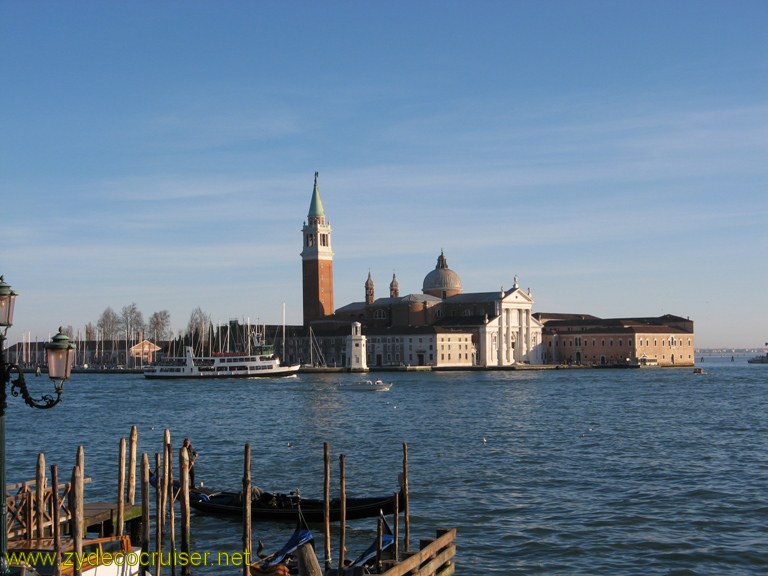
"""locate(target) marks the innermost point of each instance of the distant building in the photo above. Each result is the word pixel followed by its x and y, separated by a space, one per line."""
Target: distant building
pixel 583 339
pixel 441 327
pixel 317 261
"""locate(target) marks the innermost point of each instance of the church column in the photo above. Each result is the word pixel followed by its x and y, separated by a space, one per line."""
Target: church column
pixel 508 350
pixel 500 343
pixel 527 332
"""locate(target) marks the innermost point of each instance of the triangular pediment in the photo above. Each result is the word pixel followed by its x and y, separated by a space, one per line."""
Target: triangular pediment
pixel 518 295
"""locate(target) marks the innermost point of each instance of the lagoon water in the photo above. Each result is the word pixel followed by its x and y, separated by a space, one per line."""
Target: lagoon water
pixel 651 471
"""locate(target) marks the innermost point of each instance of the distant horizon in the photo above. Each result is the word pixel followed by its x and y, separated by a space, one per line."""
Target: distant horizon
pixel 611 155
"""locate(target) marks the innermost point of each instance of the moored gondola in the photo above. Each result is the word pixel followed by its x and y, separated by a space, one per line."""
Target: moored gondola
pixel 285 507
pixel 277 564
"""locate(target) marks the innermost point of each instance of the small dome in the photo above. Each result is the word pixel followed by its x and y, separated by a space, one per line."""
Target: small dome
pixel 442 281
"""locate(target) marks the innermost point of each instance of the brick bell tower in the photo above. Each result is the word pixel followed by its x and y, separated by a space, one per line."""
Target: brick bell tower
pixel 317 261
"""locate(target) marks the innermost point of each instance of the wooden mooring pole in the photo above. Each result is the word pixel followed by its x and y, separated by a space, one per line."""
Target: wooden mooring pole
pixel 144 511
pixel 120 489
pixel 343 518
pixel 159 507
pixel 56 508
pixel 406 507
pixel 170 499
pixel 247 527
pixel 327 503
pixel 185 514
pixel 40 489
pixel 133 443
pixel 77 527
pixel 80 459
pixel 396 529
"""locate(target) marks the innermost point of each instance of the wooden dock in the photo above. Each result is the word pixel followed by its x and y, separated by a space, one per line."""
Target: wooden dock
pixel 98 517
pixel 101 518
pixel 434 558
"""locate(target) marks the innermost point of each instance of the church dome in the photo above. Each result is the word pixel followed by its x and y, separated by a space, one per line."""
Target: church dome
pixel 442 281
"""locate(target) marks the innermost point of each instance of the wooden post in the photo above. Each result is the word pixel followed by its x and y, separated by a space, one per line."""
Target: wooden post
pixel 80 459
pixel 307 560
pixel 327 503
pixel 343 515
pixel 424 544
pixel 442 532
pixel 40 485
pixel 396 535
pixel 144 512
pixel 406 507
pixel 159 507
pixel 247 527
pixel 379 541
pixel 171 500
pixel 118 530
pixel 80 462
pixel 77 516
pixel 133 443
pixel 55 519
pixel 185 524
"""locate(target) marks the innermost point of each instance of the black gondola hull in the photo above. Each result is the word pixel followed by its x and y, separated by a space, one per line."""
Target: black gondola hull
pixel 286 509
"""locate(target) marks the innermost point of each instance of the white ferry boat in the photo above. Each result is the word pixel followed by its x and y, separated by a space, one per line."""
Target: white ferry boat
pixel 260 361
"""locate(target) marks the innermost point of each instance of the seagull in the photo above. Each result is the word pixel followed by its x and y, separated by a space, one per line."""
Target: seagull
pixel 484 440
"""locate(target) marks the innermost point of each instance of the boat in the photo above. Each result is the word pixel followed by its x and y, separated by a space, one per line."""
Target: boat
pixel 106 556
pixel 259 361
pixel 368 386
pixel 276 564
pixel 275 506
pixel 377 551
pixel 698 371
pixel 759 359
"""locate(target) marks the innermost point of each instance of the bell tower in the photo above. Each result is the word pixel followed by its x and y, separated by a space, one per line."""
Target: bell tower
pixel 317 261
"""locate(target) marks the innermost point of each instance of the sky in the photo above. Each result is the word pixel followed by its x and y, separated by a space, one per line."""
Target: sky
pixel 611 154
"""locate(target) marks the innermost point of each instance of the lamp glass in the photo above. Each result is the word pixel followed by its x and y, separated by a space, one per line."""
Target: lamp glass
pixel 61 356
pixel 7 300
pixel 60 363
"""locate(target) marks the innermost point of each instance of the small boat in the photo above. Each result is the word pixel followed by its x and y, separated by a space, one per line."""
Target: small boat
pixel 287 507
pixel 368 386
pixel 276 564
pixel 368 557
pixel 260 361
pixel 107 556
pixel 698 371
pixel 759 359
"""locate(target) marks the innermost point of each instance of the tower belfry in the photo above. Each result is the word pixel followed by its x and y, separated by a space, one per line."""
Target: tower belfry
pixel 317 261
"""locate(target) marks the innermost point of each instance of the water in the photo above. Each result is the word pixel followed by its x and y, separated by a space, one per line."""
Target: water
pixel 653 471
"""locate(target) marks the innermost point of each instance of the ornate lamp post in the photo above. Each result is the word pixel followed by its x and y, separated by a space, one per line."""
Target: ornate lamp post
pixel 60 355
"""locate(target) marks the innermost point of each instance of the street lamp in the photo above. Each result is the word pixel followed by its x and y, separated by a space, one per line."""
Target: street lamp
pixel 60 356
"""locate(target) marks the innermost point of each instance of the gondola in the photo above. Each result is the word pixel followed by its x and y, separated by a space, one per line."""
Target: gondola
pixel 277 564
pixel 368 558
pixel 285 507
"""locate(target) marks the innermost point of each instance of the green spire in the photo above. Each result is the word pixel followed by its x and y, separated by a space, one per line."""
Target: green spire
pixel 316 209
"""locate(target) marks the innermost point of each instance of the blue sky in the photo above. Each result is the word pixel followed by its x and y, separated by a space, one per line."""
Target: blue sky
pixel 613 155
